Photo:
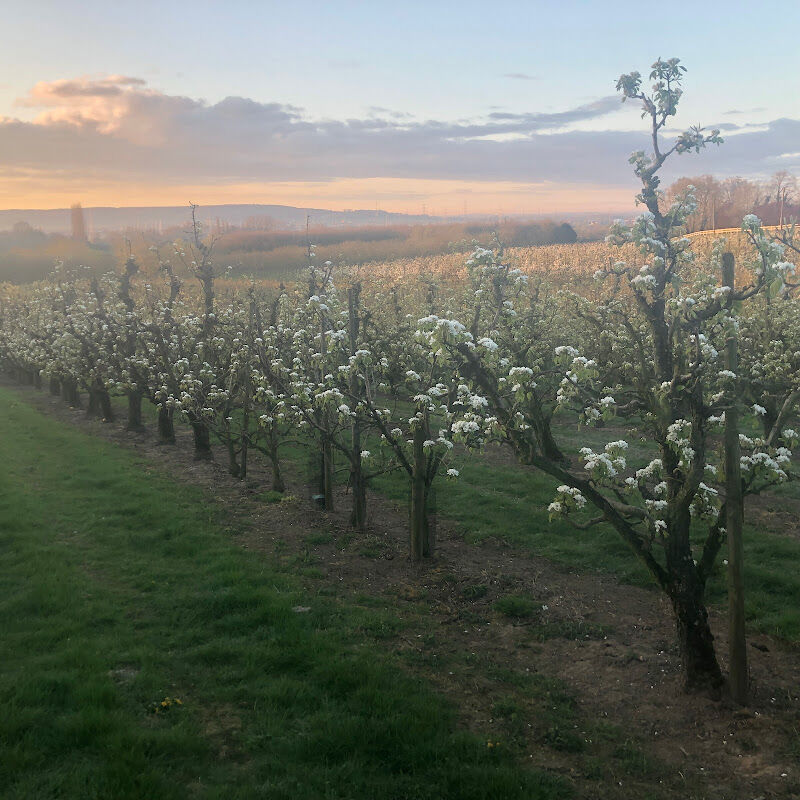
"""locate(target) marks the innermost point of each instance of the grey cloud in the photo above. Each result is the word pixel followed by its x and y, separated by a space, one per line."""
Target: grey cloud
pixel 520 76
pixel 745 111
pixel 541 120
pixel 756 153
pixel 730 127
pixel 168 138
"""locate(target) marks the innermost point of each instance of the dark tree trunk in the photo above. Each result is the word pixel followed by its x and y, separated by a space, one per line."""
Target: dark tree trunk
pixel 419 520
pixel 358 514
pixel 233 464
pixel 277 478
pixel 244 448
pixel 166 425
pixel 93 407
pixel 37 379
pixel 202 441
pixel 100 404
pixel 769 419
pixel 548 444
pixel 700 667
pixel 429 531
pixel 135 411
pixel 422 545
pixel 69 392
pixel 686 590
pixel 243 459
pixel 327 472
pixel 105 406
pixel 55 387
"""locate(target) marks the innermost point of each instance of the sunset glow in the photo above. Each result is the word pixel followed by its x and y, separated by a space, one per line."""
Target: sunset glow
pixel 522 129
pixel 437 198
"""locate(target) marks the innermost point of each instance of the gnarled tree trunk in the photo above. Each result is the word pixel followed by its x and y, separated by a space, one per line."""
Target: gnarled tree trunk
pixel 358 514
pixel 202 441
pixel 277 478
pixel 69 392
pixel 134 411
pixel 100 404
pixel 700 666
pixel 166 425
pixel 327 472
pixel 422 545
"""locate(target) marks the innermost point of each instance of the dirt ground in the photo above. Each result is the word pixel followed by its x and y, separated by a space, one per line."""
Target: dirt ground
pixel 611 645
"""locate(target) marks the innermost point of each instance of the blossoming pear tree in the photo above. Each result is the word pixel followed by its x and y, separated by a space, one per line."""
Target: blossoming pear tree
pixel 667 379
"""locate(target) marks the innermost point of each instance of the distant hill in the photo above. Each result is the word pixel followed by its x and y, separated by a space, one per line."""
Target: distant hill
pixel 100 219
pixel 110 218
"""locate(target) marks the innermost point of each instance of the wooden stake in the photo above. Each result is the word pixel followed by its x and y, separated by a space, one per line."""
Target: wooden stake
pixel 737 644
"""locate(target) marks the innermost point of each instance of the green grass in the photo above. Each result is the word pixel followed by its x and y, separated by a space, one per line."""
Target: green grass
pixel 120 588
pixel 474 591
pixel 515 606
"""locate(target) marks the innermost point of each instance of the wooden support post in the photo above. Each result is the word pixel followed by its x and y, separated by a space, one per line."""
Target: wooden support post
pixel 734 515
pixel 418 499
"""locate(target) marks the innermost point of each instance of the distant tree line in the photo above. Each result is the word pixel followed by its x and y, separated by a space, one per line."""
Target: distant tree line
pixel 251 241
pixel 721 203
pixel 28 254
pixel 527 234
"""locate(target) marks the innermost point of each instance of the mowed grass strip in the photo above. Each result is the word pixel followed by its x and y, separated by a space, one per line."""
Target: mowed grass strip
pixel 121 594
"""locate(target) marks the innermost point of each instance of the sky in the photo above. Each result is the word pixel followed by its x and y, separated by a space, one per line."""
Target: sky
pixel 443 107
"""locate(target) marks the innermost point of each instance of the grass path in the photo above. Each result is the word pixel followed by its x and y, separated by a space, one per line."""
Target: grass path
pixel 119 589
